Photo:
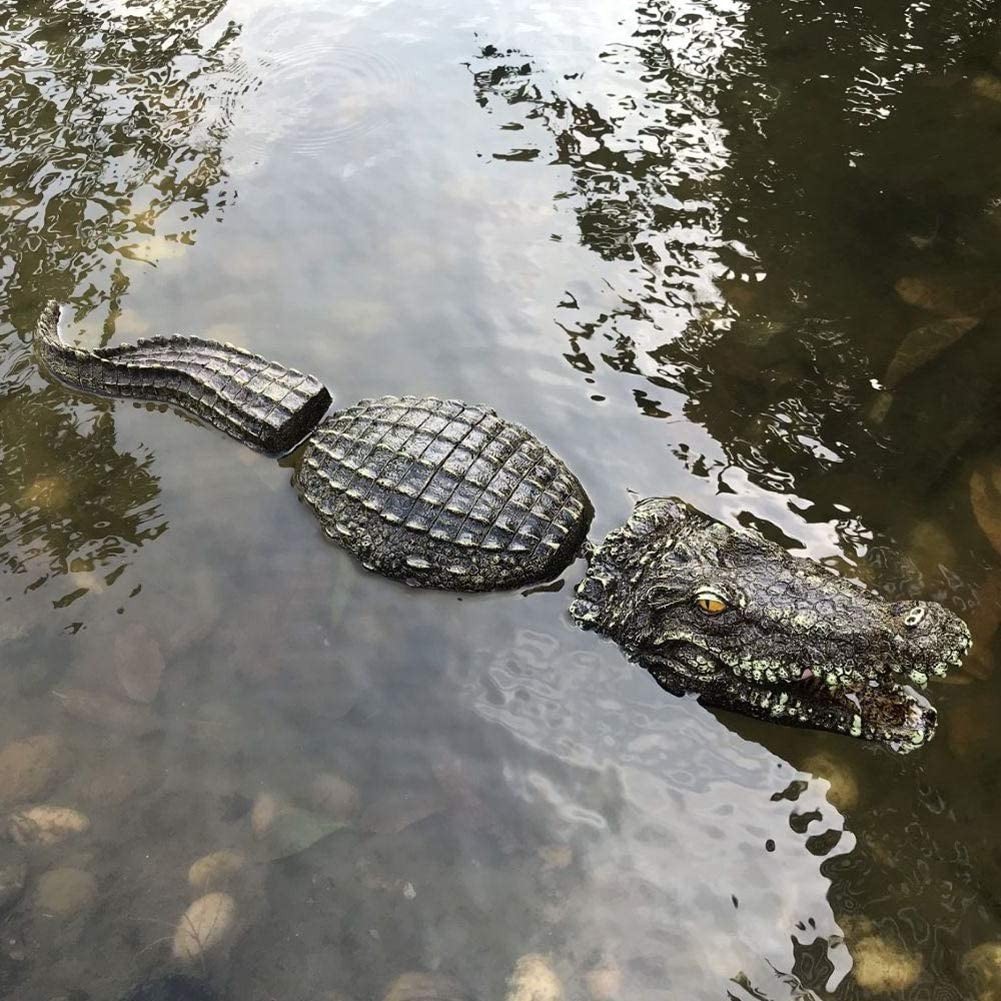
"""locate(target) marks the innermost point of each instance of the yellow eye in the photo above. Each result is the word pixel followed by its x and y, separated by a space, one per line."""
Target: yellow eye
pixel 711 603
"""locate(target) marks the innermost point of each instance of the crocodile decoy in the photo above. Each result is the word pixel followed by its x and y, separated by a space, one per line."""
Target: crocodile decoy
pixel 444 494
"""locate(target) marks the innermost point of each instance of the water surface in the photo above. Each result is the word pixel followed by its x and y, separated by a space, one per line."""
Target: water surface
pixel 686 243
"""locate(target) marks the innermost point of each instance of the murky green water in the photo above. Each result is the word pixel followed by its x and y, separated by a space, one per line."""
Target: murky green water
pixel 689 245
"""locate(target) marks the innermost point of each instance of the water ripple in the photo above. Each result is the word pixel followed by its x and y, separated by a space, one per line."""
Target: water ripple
pixel 306 89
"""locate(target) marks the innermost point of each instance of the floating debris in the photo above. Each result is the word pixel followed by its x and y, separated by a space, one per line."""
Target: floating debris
pixel 45 825
pixel 534 979
pixel 204 925
pixel 65 892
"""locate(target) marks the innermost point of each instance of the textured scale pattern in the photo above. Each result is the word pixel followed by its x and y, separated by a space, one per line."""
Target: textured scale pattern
pixel 443 494
pixel 259 402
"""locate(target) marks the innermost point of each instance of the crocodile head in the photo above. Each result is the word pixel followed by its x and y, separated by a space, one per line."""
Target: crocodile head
pixel 751 628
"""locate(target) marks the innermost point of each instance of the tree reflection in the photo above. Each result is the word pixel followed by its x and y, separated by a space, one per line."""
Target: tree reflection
pixel 113 122
pixel 767 174
pixel 109 141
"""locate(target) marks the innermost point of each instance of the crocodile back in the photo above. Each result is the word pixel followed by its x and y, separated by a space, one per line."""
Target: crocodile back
pixel 443 494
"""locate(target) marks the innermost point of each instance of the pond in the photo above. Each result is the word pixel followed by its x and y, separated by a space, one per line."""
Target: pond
pixel 745 254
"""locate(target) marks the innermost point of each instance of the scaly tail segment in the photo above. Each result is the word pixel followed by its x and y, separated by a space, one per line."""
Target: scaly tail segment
pixel 259 402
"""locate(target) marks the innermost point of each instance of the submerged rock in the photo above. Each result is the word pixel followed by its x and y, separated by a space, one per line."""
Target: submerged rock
pixel 843 793
pixel 554 858
pixel 983 620
pixel 931 547
pixel 426 987
pixel 172 987
pixel 113 781
pixel 267 807
pixel 879 408
pixel 107 711
pixel 28 768
pixel 985 499
pixel 987 85
pixel 215 870
pixel 981 967
pixel 924 345
pixel 534 979
pixel 139 663
pixel 948 294
pixel 604 983
pixel 65 892
pixel 334 796
pixel 881 966
pixel 204 925
pixel 49 493
pixel 13 875
pixel 45 825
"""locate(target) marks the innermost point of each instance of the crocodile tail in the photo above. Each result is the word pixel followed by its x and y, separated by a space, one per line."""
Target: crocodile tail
pixel 47 328
pixel 63 360
pixel 257 401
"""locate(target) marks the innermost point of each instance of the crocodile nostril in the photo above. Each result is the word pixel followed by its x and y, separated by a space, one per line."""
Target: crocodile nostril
pixel 914 617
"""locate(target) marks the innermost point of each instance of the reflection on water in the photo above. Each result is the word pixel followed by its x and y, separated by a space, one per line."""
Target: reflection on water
pixel 58 516
pixel 105 162
pixel 743 253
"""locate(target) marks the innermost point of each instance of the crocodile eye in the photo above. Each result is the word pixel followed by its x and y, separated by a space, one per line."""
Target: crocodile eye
pixel 711 603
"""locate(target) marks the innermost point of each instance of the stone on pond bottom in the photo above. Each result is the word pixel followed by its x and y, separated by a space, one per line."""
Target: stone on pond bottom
pixel 215 870
pixel 426 987
pixel 65 892
pixel 28 768
pixel 534 979
pixel 204 925
pixel 46 825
